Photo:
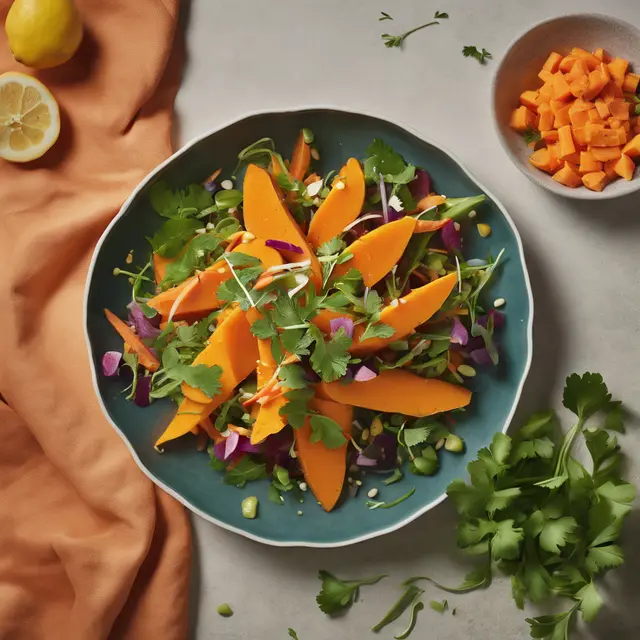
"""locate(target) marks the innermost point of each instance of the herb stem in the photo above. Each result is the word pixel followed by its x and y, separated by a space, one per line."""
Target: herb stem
pixel 387 505
pixel 424 26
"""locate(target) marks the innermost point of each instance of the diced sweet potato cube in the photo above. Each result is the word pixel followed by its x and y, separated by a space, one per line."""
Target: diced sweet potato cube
pixel 591 61
pixel 580 135
pixel 549 135
pixel 596 181
pixel 541 159
pixel 610 169
pixel 528 99
pixel 619 109
pixel 603 109
pixel 606 154
pixel 545 76
pixel 561 86
pixel 594 117
pixel 614 123
pixel 566 63
pixel 556 105
pixel 599 53
pixel 579 86
pixel 626 126
pixel 573 159
pixel 579 118
pixel 561 117
pixel 631 81
pixel 591 128
pixel 567 145
pixel 597 82
pixel 553 62
pixel 618 68
pixel 568 176
pixel 632 148
pixel 546 117
pixel 522 119
pixel 625 167
pixel 607 138
pixel 581 105
pixel 578 70
pixel 554 152
pixel 588 163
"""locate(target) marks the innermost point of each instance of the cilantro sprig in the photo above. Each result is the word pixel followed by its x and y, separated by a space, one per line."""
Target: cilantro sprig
pixel 471 51
pixel 391 41
pixel 336 595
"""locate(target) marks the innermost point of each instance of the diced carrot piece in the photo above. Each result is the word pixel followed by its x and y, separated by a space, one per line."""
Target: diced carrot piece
pixel 581 105
pixel 554 157
pixel 580 135
pixel 545 76
pixel 596 181
pixel 578 70
pixel 548 135
pixel 594 117
pixel 606 154
pixel 561 117
pixel 561 86
pixel 579 118
pixel 567 176
pixel 591 61
pixel 546 90
pixel 546 117
pixel 623 138
pixel 605 71
pixel 632 148
pixel 610 170
pixel 522 119
pixel 579 86
pixel 588 163
pixel 599 53
pixel 573 159
pixel 541 159
pixel 528 99
pixel 607 138
pixel 618 68
pixel 591 128
pixel 553 62
pixel 567 145
pixel 597 82
pixel 611 91
pixel 625 167
pixel 620 109
pixel 631 81
pixel 602 108
pixel 566 63
pixel 614 123
pixel 626 126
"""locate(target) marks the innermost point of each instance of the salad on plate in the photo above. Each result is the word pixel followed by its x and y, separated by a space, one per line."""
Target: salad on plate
pixel 310 328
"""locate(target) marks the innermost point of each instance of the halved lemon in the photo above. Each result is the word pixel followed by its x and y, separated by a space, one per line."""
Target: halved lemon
pixel 29 118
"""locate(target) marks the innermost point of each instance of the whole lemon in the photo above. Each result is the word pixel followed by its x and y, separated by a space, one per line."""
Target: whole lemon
pixel 43 33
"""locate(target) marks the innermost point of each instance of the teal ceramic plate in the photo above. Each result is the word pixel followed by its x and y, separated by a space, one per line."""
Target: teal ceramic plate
pixel 184 472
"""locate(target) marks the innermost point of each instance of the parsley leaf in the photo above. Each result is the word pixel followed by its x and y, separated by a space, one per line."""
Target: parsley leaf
pixel 196 255
pixel 200 376
pixel 377 330
pixel 586 394
pixel 337 595
pixel 531 136
pixel 245 470
pixel 505 544
pixel 263 329
pixel 330 358
pixel 382 159
pixel 470 51
pixel 554 627
pixel 171 237
pixel 410 595
pixel 231 291
pixel 327 431
pixel 557 533
pixel 181 203
pixel 292 377
pixel 384 16
pixel 397 41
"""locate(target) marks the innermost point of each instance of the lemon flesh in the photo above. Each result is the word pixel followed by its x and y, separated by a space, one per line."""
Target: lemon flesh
pixel 43 33
pixel 29 118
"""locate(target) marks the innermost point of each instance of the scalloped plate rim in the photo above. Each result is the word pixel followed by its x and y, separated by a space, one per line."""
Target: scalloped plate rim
pixel 184 149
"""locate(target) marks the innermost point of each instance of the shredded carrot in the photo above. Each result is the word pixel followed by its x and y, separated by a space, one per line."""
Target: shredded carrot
pixel 234 240
pixel 426 226
pixel 265 391
pixel 442 251
pixel 145 357
pixel 263 281
pixel 211 431
pixel 214 175
pixel 300 158
pixel 314 177
pixel 271 397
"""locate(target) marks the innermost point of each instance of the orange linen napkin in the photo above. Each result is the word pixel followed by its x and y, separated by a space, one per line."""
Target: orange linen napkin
pixel 89 547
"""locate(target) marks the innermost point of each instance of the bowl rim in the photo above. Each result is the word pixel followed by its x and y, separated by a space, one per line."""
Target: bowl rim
pixel 185 149
pixel 575 194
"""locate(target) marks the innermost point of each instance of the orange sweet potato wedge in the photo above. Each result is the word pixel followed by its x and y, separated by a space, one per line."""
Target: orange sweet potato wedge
pixel 377 252
pixel 399 391
pixel 267 217
pixel 324 469
pixel 188 416
pixel 340 208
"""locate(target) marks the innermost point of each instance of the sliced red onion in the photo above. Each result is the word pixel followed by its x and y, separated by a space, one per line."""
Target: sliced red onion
pixel 481 356
pixel 420 186
pixel 395 215
pixel 110 363
pixel 498 319
pixel 145 327
pixel 383 199
pixel 450 237
pixel 230 443
pixel 245 446
pixel 281 245
pixel 363 461
pixel 341 323
pixel 143 388
pixel 212 187
pixel 459 333
pixel 364 373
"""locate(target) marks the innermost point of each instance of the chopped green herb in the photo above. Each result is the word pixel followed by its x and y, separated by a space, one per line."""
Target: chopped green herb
pixel 410 595
pixel 531 135
pixel 415 608
pixel 337 595
pixel 439 606
pixel 396 476
pixel 292 634
pixel 372 504
pixel 245 470
pixel 179 203
pixel 384 16
pixel 397 41
pixel 471 51
pixel 439 15
pixel 475 580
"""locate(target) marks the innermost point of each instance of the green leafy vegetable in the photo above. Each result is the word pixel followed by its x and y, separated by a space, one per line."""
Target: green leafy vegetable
pixel 477 579
pixel 531 135
pixel 330 358
pixel 384 16
pixel 292 634
pixel 415 608
pixel 181 203
pixel 245 470
pixel 397 41
pixel 326 430
pixel 337 595
pixel 439 605
pixel 171 237
pixel 470 51
pixel 196 256
pixel 409 596
pixel 374 504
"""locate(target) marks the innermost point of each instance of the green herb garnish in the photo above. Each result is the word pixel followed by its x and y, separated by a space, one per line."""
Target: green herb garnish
pixel 384 16
pixel 470 51
pixel 337 595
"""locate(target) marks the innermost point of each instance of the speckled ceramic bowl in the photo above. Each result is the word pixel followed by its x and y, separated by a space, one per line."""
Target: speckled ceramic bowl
pixel 184 472
pixel 518 71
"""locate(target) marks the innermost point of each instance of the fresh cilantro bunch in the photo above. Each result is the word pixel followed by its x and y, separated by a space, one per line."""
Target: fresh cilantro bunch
pixel 539 515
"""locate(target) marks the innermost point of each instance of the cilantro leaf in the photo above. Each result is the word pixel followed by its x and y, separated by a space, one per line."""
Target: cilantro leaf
pixel 476 579
pixel 557 533
pixel 330 358
pixel 331 247
pixel 531 136
pixel 296 409
pixel 337 595
pixel 327 431
pixel 263 329
pixel 601 558
pixel 381 158
pixel 501 499
pixel 231 291
pixel 200 376
pixel 536 448
pixel 585 395
pixel 195 257
pixel 171 237
pixel 238 259
pixel 292 377
pixel 471 51
pixel 505 544
pixel 296 341
pixel 377 330
pixel 590 602
pixel 245 470
pixel 500 448
pixel 416 435
pixel 181 203
pixel 554 627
